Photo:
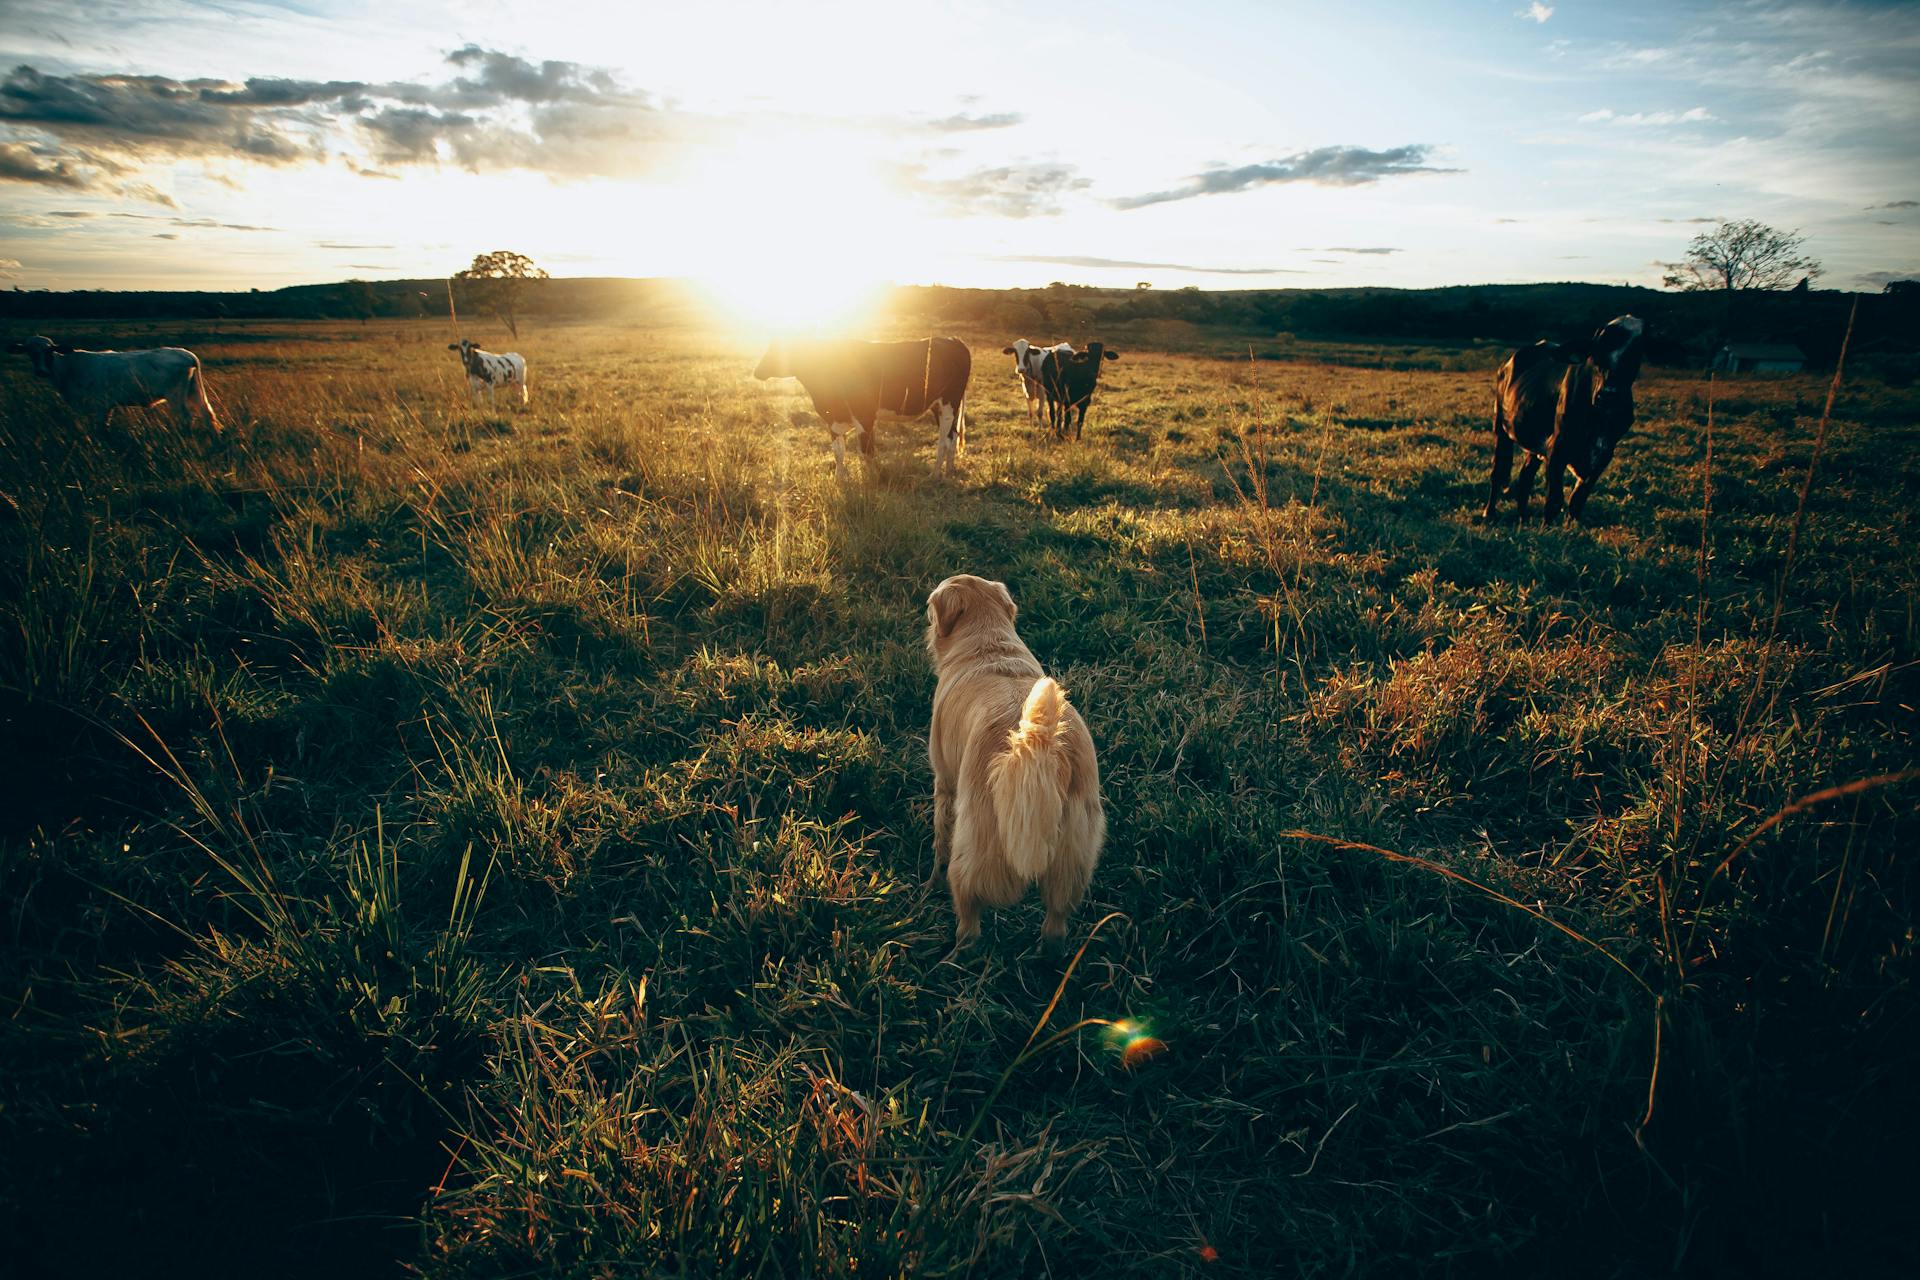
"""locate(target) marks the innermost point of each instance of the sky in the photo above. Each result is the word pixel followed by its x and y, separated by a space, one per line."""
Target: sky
pixel 244 144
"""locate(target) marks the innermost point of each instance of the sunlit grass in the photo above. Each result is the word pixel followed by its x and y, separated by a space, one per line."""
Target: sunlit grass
pixel 493 840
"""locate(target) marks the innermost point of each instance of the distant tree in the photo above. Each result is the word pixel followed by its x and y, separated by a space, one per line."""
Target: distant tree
pixel 1144 284
pixel 497 279
pixel 1901 288
pixel 1742 256
pixel 359 299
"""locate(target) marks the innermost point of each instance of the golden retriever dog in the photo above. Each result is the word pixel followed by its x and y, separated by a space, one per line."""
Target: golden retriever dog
pixel 1016 788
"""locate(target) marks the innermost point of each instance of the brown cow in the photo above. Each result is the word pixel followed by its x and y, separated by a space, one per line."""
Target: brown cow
pixel 1569 410
pixel 851 381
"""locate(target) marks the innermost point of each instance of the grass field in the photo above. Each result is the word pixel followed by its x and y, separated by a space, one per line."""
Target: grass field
pixel 492 842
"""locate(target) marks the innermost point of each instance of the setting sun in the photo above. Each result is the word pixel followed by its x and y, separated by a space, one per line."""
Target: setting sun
pixel 792 241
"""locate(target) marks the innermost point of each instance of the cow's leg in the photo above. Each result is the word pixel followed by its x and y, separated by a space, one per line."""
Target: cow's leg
pixel 1523 485
pixel 1556 480
pixel 1577 501
pixel 1080 423
pixel 839 448
pixel 947 418
pixel 1502 467
pixel 865 413
pixel 523 391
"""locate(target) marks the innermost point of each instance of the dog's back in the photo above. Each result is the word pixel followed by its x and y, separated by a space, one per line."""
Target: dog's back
pixel 1015 774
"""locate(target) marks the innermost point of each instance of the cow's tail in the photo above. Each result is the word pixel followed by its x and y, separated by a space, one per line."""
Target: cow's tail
pixel 197 393
pixel 1028 782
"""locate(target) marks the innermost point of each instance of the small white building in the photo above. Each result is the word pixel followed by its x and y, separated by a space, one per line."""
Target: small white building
pixel 1760 357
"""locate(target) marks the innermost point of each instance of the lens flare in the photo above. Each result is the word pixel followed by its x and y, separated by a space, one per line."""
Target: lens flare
pixel 1134 1041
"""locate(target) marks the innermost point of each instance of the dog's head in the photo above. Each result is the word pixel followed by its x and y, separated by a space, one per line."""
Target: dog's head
pixel 963 602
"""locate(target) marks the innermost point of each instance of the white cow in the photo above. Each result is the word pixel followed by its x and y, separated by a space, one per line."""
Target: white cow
pixel 95 383
pixel 1026 363
pixel 489 370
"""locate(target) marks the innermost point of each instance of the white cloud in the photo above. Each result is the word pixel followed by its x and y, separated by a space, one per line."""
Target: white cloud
pixel 1537 11
pixel 1646 119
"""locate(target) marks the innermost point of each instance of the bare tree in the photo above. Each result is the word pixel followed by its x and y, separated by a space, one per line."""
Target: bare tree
pixel 498 277
pixel 1744 255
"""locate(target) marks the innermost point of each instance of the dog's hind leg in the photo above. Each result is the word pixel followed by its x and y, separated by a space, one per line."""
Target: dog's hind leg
pixel 966 914
pixel 1065 883
pixel 942 828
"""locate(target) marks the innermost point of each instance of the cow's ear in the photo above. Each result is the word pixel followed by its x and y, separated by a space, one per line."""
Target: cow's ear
pixel 944 608
pixel 453 346
pixel 63 349
pixel 1006 351
pixel 1112 354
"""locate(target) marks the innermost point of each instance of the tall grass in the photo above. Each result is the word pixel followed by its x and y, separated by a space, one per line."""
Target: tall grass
pixel 491 842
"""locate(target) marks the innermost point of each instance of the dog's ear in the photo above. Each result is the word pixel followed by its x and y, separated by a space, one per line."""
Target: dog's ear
pixel 945 605
pixel 1006 598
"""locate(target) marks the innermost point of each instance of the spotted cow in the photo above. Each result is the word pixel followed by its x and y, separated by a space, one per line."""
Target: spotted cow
pixel 487 370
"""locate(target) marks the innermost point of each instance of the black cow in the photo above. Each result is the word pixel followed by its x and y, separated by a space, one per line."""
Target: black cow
pixel 1567 408
pixel 851 381
pixel 1068 378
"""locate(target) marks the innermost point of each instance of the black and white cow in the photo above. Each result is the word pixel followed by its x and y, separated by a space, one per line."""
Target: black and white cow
pixel 1026 364
pixel 1567 408
pixel 1068 379
pixel 95 383
pixel 489 370
pixel 852 381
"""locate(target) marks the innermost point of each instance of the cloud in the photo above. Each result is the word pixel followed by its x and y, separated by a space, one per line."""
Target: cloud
pixel 1080 260
pixel 1322 166
pixel 961 122
pixel 198 223
pixel 1687 222
pixel 354 248
pixel 491 111
pixel 20 163
pixel 1897 204
pixel 1007 191
pixel 9 268
pixel 1649 119
pixel 1336 248
pixel 1537 11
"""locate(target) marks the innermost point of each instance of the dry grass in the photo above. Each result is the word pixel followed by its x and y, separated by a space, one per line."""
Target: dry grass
pixel 490 842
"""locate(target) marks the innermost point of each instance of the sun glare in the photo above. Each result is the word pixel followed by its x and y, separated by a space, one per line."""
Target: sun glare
pixel 780 249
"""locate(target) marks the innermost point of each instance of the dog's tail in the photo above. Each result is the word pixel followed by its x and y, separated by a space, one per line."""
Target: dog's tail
pixel 1029 781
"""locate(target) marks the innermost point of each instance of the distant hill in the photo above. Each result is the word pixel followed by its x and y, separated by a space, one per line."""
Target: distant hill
pixel 1684 328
